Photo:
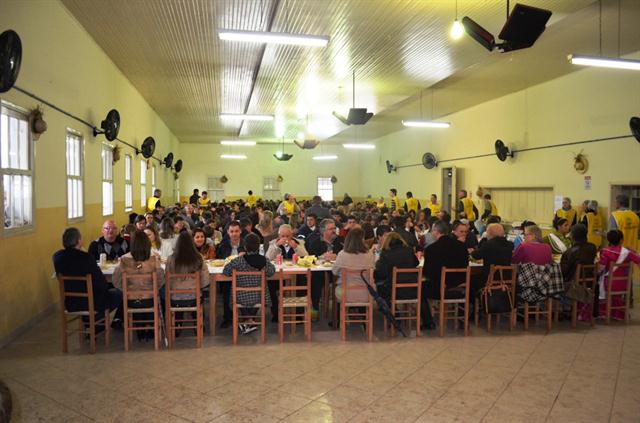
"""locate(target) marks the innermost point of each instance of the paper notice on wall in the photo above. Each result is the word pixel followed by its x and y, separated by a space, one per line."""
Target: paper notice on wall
pixel 587 182
pixel 557 202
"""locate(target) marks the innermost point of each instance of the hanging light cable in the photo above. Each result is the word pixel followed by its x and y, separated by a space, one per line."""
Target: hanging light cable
pixel 457 30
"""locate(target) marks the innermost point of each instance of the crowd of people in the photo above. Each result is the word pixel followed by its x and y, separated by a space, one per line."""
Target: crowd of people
pixel 352 235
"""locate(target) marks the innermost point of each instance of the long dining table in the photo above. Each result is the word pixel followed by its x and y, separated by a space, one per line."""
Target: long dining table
pixel 287 268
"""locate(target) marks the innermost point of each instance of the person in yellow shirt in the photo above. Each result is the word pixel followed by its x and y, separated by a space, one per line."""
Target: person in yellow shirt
pixel 433 205
pixel 380 204
pixel 154 202
pixel 490 208
pixel 567 212
pixel 626 221
pixel 593 222
pixel 466 206
pixel 288 207
pixel 411 203
pixel 251 199
pixel 395 201
pixel 204 200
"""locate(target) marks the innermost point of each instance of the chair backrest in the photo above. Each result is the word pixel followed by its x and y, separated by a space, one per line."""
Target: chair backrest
pixel 586 274
pixel 417 283
pixel 454 271
pixel 347 275
pixel 294 288
pixel 502 274
pixel 234 281
pixel 137 290
pixel 624 268
pixel 83 283
pixel 171 278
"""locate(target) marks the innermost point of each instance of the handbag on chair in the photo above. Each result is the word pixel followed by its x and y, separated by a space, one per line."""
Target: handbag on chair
pixel 496 299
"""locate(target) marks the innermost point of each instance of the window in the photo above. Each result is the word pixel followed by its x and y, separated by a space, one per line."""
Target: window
pixel 215 189
pixel 107 180
pixel 270 188
pixel 128 185
pixel 143 183
pixel 325 188
pixel 16 167
pixel 518 204
pixel 75 191
pixel 153 179
pixel 176 189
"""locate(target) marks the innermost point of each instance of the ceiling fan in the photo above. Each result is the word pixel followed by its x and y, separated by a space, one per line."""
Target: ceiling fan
pixel 357 115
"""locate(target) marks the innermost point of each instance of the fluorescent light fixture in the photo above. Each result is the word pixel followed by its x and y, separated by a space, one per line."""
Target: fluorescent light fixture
pixel 425 124
pixel 233 156
pixel 604 62
pixel 274 38
pixel 360 146
pixel 242 143
pixel 457 30
pixel 327 157
pixel 240 116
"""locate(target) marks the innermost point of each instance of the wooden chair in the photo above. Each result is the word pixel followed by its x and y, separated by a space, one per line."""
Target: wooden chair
pixel 130 312
pixel 587 276
pixel 85 287
pixel 290 304
pixel 172 322
pixel 443 310
pixel 407 310
pixel 542 309
pixel 626 293
pixel 347 315
pixel 498 281
pixel 235 307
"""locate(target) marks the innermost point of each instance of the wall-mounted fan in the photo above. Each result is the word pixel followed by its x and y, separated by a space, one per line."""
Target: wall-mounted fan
pixel 178 166
pixel 634 124
pixel 110 126
pixel 148 147
pixel 390 167
pixel 168 161
pixel 429 160
pixel 10 59
pixel 502 151
pixel 334 179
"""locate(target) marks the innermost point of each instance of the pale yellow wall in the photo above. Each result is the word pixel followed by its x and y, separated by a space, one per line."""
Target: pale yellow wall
pixel 587 104
pixel 63 65
pixel 300 173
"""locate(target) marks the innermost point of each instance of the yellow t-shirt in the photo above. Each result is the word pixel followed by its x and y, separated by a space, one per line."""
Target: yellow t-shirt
pixel 567 214
pixel 628 222
pixel 467 203
pixel 412 204
pixel 395 203
pixel 252 200
pixel 435 208
pixel 204 201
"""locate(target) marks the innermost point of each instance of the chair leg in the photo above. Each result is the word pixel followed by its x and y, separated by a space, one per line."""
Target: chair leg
pixel 526 317
pixel 370 323
pixel 441 309
pixel 307 323
pixel 466 318
pixel 608 308
pixel 235 325
pixel 199 329
pixel 343 321
pixel 65 340
pixel 263 325
pixel 549 314
pixel 213 293
pixel 418 309
pixel 127 330
pixel 92 334
pixel 489 318
pixel 281 322
pixel 156 329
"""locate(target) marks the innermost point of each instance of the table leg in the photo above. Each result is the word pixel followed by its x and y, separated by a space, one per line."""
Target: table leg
pixel 213 294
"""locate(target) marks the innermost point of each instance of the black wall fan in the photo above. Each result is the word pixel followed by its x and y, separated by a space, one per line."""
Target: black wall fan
pixel 390 167
pixel 634 124
pixel 429 161
pixel 502 151
pixel 148 147
pixel 178 166
pixel 10 59
pixel 168 161
pixel 110 126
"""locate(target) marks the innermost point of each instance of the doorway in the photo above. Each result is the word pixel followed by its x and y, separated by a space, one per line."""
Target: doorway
pixel 449 189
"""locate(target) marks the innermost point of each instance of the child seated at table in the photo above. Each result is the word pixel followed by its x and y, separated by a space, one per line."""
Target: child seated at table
pixel 251 261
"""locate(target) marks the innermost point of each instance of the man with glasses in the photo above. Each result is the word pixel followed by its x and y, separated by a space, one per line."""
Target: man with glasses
pixel 325 246
pixel 110 243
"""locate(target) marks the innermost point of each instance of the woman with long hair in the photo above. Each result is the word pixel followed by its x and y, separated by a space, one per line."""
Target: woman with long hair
pixel 154 239
pixel 205 249
pixel 168 237
pixel 186 259
pixel 139 261
pixel 395 253
pixel 354 256
pixel 557 238
pixel 265 228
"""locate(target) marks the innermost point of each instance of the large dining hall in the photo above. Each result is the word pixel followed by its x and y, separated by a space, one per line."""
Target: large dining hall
pixel 320 211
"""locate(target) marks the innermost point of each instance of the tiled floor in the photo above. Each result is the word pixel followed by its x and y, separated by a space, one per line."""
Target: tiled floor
pixel 586 375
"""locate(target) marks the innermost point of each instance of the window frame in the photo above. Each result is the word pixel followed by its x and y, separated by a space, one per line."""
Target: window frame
pixel 107 148
pixel 20 112
pixel 128 182
pixel 143 183
pixel 324 178
pixel 78 134
pixel 154 175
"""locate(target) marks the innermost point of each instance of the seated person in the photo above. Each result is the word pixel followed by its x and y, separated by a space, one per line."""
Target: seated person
pixel 207 250
pixel 168 237
pixel 354 256
pixel 496 250
pixel 139 261
pixel 72 261
pixel 381 234
pixel 461 231
pixel 395 253
pixel 557 238
pixel 140 222
pixel 186 259
pixel 403 226
pixel 444 252
pixel 532 249
pixel 519 239
pixel 154 239
pixel 285 245
pixel 110 243
pixel 581 252
pixel 251 261
pixel 324 247
pixel 231 245
pixel 352 221
pixel 310 227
